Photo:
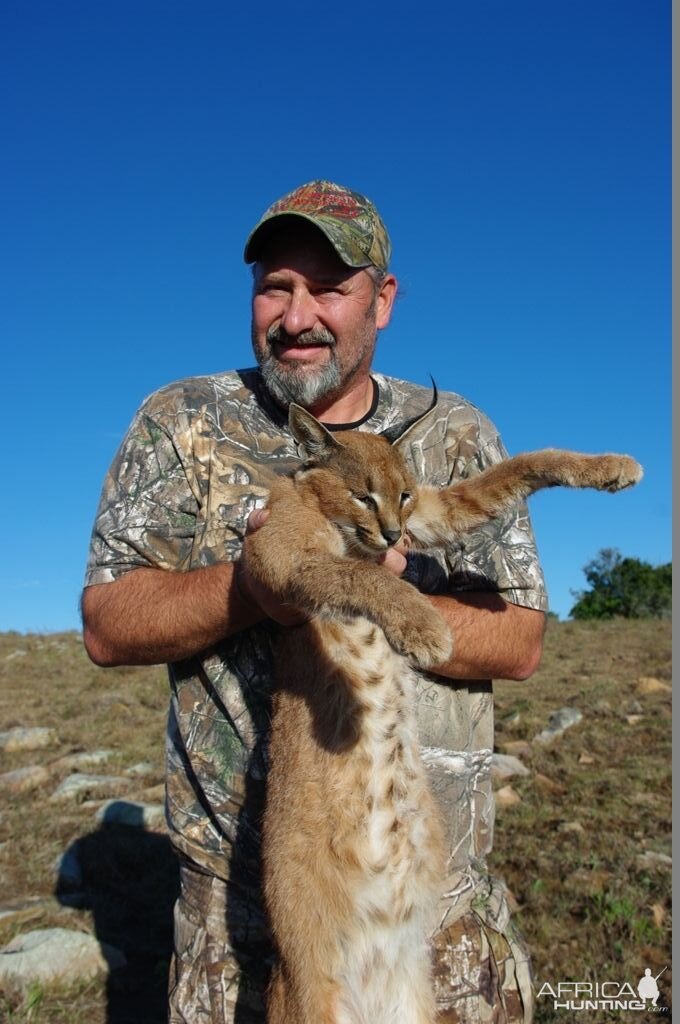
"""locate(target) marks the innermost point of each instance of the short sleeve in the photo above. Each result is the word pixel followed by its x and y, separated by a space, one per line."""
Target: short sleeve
pixel 147 510
pixel 501 555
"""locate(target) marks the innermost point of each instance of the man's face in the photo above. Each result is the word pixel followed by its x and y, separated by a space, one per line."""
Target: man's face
pixel 315 319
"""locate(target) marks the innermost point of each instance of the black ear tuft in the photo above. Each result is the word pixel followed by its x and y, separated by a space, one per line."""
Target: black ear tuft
pixel 398 432
pixel 317 443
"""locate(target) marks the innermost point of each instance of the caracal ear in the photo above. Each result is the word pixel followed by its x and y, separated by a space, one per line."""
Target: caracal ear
pixel 406 431
pixel 317 443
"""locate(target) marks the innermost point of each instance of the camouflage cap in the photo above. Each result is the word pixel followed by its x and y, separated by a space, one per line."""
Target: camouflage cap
pixel 349 221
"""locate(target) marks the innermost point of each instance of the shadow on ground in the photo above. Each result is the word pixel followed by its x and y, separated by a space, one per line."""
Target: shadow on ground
pixel 129 878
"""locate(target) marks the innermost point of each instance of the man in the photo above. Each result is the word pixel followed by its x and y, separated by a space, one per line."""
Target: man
pixel 166 583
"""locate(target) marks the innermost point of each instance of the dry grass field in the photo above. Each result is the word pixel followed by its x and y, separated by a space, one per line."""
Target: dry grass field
pixel 577 850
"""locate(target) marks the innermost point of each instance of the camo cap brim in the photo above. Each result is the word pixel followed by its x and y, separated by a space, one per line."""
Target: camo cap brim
pixel 348 219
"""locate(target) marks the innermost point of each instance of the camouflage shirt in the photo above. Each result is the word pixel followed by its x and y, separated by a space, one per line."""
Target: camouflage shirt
pixel 199 456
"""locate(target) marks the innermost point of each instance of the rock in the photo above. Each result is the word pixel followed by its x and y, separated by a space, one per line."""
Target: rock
pixel 25 909
pixel 511 720
pixel 131 813
pixel 55 956
pixel 658 914
pixel 507 797
pixel 603 707
pixel 517 748
pixel 140 770
pixel 573 827
pixel 21 738
pixel 548 785
pixel 22 780
pixel 649 860
pixel 585 758
pixel 634 719
pixel 80 783
pixel 505 766
pixel 18 653
pixel 83 759
pixel 588 882
pixel 558 722
pixel 634 707
pixel 648 686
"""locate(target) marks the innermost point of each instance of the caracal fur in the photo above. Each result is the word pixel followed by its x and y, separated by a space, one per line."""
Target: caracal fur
pixel 353 847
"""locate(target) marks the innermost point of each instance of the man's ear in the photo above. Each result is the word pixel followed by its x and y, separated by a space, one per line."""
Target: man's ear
pixel 317 443
pixel 384 301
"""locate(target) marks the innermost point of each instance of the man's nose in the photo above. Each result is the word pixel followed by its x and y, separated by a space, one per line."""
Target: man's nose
pixel 299 314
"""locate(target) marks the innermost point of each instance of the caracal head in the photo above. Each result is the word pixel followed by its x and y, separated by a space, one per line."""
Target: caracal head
pixel 361 483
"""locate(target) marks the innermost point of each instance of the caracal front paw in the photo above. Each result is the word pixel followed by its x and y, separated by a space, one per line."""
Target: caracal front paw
pixel 615 472
pixel 420 633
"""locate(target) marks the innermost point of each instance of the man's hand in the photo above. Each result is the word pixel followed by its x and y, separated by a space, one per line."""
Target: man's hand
pixel 394 558
pixel 260 596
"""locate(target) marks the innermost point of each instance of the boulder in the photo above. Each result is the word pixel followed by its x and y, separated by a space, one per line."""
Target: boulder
pixel 140 770
pixel 83 759
pixel 571 828
pixel 23 738
pixel 80 783
pixel 507 797
pixel 648 686
pixel 588 882
pixel 547 785
pixel 55 956
pixel 505 766
pixel 650 860
pixel 22 780
pixel 558 722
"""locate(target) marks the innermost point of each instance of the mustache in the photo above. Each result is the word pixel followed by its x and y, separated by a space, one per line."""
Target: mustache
pixel 276 335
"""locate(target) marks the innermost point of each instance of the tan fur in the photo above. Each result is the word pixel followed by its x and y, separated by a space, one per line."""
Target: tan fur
pixel 353 847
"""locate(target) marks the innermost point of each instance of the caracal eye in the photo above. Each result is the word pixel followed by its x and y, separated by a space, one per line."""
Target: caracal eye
pixel 366 500
pixel 405 497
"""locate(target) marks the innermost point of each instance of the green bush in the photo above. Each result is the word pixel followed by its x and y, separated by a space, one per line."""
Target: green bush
pixel 625 587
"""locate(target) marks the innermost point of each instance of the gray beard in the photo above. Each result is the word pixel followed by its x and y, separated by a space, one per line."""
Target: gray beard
pixel 295 384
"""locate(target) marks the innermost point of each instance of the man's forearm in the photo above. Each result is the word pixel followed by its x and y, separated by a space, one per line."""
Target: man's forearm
pixel 152 616
pixel 492 639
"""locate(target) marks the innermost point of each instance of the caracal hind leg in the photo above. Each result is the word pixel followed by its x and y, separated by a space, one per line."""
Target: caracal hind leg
pixel 309 1000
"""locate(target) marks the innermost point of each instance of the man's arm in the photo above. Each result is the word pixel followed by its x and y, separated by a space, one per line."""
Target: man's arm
pixel 152 616
pixel 492 639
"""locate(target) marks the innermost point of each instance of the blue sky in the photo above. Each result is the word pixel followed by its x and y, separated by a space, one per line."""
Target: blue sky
pixel 519 153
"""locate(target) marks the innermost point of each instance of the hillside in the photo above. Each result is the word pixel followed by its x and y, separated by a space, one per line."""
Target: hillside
pixel 583 839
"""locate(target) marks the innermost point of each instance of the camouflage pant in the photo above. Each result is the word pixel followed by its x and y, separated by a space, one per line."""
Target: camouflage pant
pixel 223 956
